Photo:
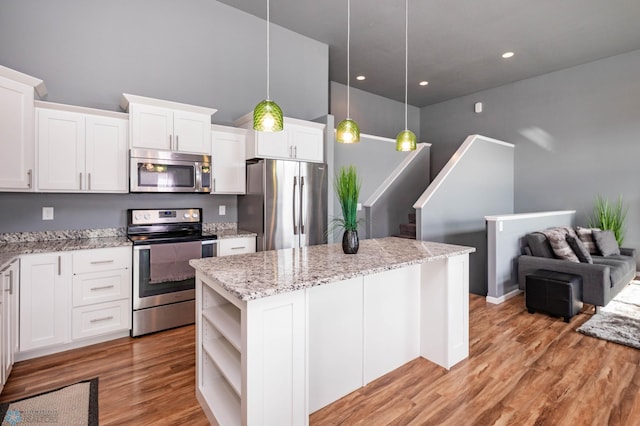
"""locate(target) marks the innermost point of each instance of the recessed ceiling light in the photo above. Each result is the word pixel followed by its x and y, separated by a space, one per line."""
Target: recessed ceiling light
pixel 360 77
pixel 507 55
pixel 423 83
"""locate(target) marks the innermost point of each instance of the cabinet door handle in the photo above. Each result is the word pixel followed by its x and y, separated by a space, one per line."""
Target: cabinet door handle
pixel 59 265
pixel 10 290
pixel 103 287
pixel 295 152
pixel 99 262
pixel 30 175
pixel 89 181
pixel 101 319
pixel 80 180
pixel 170 142
pixel 214 184
pixel 177 143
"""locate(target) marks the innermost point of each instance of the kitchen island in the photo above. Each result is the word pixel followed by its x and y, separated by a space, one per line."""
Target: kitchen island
pixel 283 333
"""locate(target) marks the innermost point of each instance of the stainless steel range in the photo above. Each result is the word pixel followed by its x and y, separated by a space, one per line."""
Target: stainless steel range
pixel 163 282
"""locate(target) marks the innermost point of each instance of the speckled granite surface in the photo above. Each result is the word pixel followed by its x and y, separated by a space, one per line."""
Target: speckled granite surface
pixel 25 237
pixel 234 233
pixel 9 251
pixel 214 228
pixel 262 274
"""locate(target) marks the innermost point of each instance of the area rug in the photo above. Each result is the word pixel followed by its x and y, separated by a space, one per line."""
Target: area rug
pixel 75 405
pixel 619 321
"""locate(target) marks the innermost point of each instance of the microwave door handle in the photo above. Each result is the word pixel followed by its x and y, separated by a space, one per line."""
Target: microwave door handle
pixel 293 206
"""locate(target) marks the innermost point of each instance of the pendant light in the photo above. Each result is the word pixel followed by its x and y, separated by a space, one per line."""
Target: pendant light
pixel 267 115
pixel 348 130
pixel 406 139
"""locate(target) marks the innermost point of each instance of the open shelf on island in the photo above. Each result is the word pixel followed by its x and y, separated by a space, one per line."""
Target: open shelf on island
pixel 227 359
pixel 223 400
pixel 226 318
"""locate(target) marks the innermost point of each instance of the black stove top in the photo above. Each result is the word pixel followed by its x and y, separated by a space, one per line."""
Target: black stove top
pixel 165 226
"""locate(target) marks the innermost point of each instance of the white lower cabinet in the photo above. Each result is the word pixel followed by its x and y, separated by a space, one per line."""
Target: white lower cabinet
pixel 9 319
pixel 66 297
pixel 45 284
pixel 240 245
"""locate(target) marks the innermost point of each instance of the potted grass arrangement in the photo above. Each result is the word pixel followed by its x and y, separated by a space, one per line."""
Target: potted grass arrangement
pixel 347 186
pixel 609 217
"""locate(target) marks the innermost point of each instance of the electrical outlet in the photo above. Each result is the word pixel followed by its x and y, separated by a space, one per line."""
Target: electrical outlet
pixel 47 213
pixel 359 206
pixel 222 210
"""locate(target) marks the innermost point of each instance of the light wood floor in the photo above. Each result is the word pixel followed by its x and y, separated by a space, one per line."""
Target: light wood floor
pixel 523 370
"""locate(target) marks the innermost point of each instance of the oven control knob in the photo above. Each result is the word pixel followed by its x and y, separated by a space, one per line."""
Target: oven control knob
pixel 187 215
pixel 194 215
pixel 137 216
pixel 147 216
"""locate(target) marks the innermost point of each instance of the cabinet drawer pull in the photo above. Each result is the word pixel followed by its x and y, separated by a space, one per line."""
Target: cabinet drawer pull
pixel 238 248
pixel 30 175
pixel 59 265
pixel 100 262
pixel 101 319
pixel 104 287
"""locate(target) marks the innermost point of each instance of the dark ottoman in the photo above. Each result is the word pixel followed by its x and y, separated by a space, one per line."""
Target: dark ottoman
pixel 555 293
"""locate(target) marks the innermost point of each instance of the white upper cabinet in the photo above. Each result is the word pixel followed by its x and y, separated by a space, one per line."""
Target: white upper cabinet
pixel 300 140
pixel 80 151
pixel 17 129
pixel 228 160
pixel 166 125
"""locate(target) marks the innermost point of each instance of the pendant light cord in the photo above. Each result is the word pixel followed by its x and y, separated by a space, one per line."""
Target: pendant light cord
pixel 406 58
pixel 268 49
pixel 348 53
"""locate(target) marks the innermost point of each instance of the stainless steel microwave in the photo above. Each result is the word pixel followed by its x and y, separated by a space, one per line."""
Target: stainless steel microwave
pixel 168 171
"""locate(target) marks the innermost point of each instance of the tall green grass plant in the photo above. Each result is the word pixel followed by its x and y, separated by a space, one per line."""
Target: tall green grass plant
pixel 347 185
pixel 609 217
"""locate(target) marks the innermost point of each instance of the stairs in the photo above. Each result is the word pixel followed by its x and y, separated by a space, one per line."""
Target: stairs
pixel 408 230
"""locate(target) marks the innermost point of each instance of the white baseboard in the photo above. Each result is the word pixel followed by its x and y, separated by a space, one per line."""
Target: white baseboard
pixel 504 297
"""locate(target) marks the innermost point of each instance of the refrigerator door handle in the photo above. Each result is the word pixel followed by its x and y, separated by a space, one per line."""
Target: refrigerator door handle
pixel 303 205
pixel 295 221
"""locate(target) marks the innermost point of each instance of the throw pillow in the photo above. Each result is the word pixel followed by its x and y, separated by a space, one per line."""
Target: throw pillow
pixel 558 239
pixel 606 242
pixel 586 236
pixel 579 249
pixel 539 245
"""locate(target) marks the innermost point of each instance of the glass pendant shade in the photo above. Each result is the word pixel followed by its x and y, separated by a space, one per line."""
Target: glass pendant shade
pixel 348 131
pixel 406 141
pixel 267 117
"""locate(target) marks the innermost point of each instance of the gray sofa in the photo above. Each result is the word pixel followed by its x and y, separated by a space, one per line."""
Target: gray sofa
pixel 601 281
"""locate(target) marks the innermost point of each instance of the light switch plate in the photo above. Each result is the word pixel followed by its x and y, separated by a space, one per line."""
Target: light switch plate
pixel 222 210
pixel 47 213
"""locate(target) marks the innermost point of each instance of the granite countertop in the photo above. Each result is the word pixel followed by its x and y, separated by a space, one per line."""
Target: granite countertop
pixel 262 274
pixel 234 233
pixel 9 251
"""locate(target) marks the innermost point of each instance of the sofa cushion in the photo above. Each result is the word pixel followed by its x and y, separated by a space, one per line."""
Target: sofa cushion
pixel 558 240
pixel 586 236
pixel 618 267
pixel 539 245
pixel 579 249
pixel 606 242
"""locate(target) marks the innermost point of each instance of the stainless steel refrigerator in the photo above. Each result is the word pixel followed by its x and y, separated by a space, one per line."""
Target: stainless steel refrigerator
pixel 285 203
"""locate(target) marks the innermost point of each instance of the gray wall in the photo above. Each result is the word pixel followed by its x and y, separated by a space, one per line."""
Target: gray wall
pixel 505 240
pixel 576 133
pixel 480 183
pixel 200 52
pixel 393 206
pixel 374 114
pixel 21 212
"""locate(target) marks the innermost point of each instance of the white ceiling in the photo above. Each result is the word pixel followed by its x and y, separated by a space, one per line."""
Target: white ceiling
pixel 457 44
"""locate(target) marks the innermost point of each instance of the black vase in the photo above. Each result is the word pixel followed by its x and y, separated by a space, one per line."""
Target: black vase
pixel 350 242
